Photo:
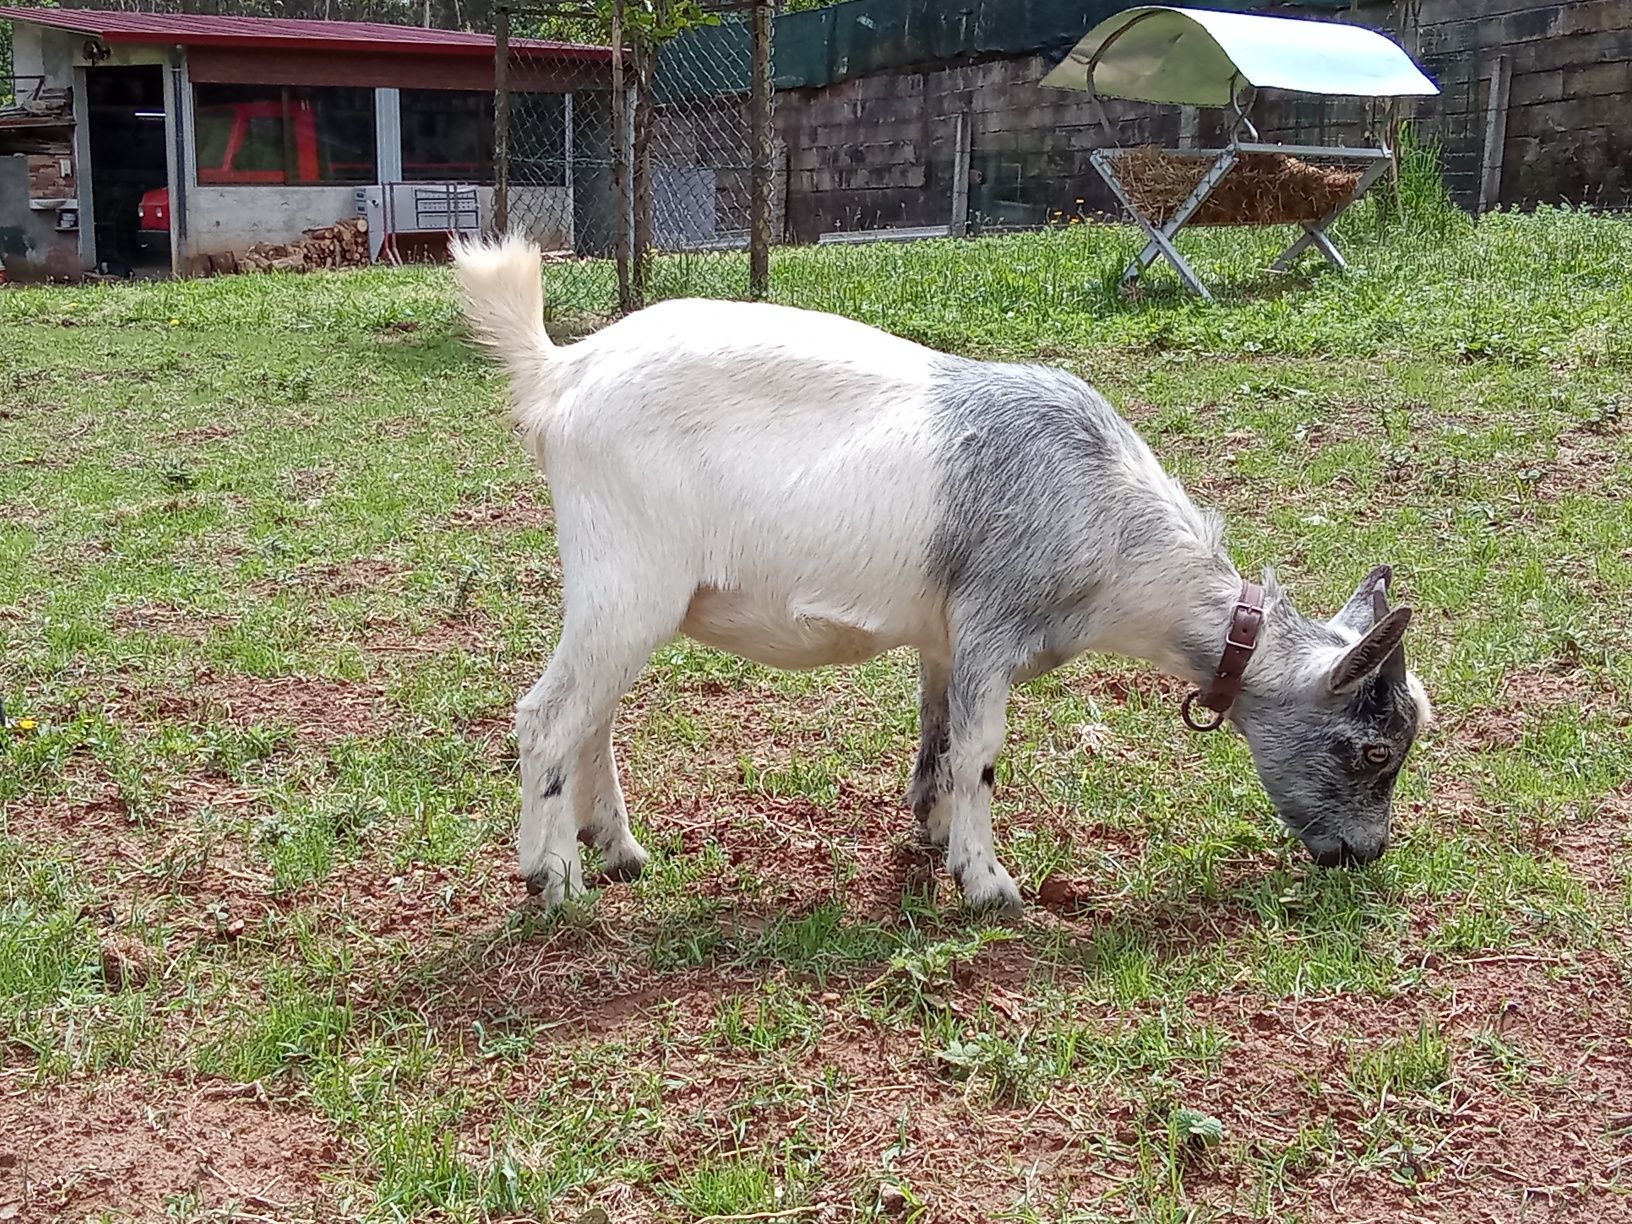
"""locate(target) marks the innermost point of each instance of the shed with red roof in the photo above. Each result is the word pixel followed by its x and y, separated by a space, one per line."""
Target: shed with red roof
pixel 161 138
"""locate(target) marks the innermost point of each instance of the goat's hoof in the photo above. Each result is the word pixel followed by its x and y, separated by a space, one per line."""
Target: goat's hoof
pixel 541 895
pixel 989 889
pixel 1008 909
pixel 547 888
pixel 624 868
pixel 932 839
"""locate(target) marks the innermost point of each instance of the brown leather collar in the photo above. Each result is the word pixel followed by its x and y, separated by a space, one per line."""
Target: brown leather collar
pixel 1239 643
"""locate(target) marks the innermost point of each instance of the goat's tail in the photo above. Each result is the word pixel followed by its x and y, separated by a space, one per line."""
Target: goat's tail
pixel 504 301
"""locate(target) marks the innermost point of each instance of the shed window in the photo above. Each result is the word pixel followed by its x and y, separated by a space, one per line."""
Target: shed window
pixel 276 134
pixel 448 135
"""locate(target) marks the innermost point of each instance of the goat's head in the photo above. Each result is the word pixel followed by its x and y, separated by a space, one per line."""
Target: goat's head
pixel 1331 719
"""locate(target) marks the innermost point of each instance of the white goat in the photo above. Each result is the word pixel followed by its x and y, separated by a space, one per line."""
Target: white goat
pixel 803 490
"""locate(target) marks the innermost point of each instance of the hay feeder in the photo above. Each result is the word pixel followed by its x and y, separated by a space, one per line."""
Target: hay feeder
pixel 1192 57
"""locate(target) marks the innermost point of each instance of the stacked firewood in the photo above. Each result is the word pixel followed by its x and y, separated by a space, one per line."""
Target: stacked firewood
pixel 341 245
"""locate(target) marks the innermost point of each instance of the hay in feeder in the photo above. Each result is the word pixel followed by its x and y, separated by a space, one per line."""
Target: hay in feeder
pixel 1260 189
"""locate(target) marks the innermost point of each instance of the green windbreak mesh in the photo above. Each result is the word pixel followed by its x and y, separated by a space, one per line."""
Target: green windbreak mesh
pixel 822 46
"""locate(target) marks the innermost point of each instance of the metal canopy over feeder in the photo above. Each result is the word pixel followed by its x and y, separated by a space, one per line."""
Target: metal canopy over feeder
pixel 1192 57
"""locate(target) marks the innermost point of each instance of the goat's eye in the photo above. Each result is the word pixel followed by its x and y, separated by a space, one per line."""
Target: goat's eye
pixel 1378 754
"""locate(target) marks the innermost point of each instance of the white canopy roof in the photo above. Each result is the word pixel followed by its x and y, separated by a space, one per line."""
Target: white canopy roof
pixel 1194 57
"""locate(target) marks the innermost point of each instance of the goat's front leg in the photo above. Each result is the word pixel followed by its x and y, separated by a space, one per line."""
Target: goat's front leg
pixel 977 703
pixel 931 794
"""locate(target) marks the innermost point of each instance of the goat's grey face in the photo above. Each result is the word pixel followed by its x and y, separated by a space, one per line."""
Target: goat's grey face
pixel 1330 741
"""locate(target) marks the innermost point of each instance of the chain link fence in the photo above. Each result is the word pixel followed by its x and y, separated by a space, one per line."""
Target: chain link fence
pixel 647 173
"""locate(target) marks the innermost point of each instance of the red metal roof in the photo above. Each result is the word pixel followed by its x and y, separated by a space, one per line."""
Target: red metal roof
pixel 278 33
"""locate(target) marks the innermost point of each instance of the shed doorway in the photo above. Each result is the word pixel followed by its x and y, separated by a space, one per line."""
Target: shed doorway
pixel 125 107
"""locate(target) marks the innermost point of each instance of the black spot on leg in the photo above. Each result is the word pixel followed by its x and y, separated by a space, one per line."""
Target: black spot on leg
pixel 552 785
pixel 988 776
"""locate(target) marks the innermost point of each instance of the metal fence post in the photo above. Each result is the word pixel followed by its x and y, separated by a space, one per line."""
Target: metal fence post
pixel 759 237
pixel 501 119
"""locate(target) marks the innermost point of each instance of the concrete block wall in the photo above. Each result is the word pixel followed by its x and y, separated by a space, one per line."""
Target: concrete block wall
pixel 877 151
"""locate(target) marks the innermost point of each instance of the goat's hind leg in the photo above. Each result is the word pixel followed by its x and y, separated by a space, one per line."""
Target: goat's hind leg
pixel 602 817
pixel 931 794
pixel 564 718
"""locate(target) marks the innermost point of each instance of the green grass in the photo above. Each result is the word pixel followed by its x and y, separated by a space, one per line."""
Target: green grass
pixel 272 574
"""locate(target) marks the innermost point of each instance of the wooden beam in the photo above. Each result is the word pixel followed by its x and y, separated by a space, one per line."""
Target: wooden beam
pixel 1490 171
pixel 962 151
pixel 760 103
pixel 501 120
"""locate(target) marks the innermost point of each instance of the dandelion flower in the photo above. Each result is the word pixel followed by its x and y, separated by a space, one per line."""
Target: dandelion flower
pixel 27 724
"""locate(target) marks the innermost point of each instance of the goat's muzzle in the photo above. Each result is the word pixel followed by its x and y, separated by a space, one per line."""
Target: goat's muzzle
pixel 1344 854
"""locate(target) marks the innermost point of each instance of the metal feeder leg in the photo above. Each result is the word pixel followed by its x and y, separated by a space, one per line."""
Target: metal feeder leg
pixel 1314 232
pixel 1161 237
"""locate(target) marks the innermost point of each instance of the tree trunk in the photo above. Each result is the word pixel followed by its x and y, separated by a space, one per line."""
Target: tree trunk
pixel 645 56
pixel 620 161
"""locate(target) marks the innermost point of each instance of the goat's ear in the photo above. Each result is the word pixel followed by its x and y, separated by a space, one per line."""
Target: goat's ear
pixel 1382 648
pixel 1369 603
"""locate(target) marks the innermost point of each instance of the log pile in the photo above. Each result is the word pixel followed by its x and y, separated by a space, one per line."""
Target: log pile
pixel 341 245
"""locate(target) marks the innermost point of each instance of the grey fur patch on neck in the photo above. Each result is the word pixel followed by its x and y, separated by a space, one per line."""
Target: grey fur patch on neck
pixel 1058 526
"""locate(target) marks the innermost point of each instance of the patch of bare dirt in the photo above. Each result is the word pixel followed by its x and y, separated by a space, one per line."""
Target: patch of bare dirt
pixel 895 1116
pixel 165 618
pixel 135 703
pixel 1584 462
pixel 312 708
pixel 309 484
pixel 1545 691
pixel 353 577
pixel 1597 846
pixel 1490 727
pixel 525 507
pixel 160 857
pixel 1123 685
pixel 1528 696
pixel 470 633
pixel 791 855
pixel 121 1147
pixel 1493 1145
pixel 421 904
pixel 399 427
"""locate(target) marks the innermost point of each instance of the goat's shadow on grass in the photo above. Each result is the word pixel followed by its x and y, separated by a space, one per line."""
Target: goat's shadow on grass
pixel 597 962
pixel 1160 290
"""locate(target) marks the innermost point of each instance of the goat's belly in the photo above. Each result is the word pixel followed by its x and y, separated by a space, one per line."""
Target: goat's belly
pixel 774 633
